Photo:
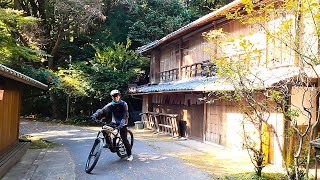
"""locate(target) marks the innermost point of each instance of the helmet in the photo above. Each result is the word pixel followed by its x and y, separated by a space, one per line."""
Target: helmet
pixel 113 92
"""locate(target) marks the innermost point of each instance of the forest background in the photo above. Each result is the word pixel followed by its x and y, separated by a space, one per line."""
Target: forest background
pixel 83 49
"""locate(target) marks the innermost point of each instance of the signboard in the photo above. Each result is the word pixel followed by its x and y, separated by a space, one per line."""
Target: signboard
pixel 1 94
pixel 132 88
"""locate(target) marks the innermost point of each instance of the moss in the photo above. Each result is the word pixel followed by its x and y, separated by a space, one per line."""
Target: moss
pixel 39 143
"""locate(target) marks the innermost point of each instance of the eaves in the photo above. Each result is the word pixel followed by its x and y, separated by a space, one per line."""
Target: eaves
pixel 17 76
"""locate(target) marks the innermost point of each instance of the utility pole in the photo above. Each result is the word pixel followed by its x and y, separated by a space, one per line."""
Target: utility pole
pixel 68 98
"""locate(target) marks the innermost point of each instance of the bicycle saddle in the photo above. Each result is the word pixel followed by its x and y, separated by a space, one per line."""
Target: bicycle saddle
pixel 107 128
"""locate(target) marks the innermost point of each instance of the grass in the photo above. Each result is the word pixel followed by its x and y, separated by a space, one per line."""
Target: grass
pixel 215 165
pixel 253 176
pixel 38 142
pixel 228 170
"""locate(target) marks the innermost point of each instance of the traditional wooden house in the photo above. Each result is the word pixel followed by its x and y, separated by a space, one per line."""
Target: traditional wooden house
pixel 11 88
pixel 179 80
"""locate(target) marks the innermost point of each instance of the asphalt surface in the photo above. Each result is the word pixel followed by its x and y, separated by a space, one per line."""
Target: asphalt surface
pixel 67 161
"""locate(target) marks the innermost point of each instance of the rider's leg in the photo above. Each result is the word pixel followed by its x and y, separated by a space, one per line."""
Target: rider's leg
pixel 107 139
pixel 123 134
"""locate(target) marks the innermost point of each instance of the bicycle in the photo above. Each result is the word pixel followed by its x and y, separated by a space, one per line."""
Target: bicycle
pixel 115 145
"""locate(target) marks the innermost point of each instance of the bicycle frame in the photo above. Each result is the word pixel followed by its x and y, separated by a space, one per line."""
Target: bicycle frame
pixel 115 143
pixel 111 135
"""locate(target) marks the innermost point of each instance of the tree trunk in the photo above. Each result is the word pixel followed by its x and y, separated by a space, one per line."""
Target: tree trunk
pixel 54 102
pixel 22 5
pixel 55 48
pixel 54 105
pixel 68 107
pixel 42 10
pixel 311 138
pixel 296 157
pixel 54 52
pixel 34 8
pixel 259 172
pixel 261 154
pixel 279 146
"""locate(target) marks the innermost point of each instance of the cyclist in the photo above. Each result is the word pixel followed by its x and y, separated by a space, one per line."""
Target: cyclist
pixel 118 109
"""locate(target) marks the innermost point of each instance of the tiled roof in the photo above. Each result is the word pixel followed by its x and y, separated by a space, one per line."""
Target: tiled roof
pixel 195 84
pixel 260 78
pixel 12 74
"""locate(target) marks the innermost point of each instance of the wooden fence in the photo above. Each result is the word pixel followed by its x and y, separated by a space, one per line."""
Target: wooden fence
pixel 9 118
pixel 166 123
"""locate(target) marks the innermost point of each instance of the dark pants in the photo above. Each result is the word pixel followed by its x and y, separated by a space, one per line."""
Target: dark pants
pixel 124 136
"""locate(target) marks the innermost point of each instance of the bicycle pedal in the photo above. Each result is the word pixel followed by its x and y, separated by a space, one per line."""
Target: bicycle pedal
pixel 105 146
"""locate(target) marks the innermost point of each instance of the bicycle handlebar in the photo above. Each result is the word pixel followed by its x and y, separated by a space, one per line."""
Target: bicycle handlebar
pixel 100 121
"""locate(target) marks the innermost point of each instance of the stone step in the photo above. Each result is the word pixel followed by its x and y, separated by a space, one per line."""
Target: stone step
pixel 10 157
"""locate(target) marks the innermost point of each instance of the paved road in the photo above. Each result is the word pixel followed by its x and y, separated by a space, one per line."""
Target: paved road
pixel 149 162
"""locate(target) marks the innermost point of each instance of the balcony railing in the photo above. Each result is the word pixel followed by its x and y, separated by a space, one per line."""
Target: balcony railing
pixel 204 69
pixel 171 75
pixel 161 122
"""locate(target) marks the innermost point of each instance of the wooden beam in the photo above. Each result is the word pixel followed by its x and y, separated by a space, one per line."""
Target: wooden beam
pixel 204 129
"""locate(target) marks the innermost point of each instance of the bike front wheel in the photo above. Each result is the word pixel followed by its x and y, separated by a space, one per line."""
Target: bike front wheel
pixel 94 155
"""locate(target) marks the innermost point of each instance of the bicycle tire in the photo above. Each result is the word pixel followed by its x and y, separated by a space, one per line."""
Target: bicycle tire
pixel 121 150
pixel 95 152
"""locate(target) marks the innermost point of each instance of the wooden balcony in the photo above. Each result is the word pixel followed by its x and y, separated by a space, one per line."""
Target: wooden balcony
pixel 205 69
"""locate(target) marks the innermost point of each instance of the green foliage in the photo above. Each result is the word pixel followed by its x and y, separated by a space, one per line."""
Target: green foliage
pixel 276 96
pixel 118 66
pixel 93 55
pixel 72 82
pixel 12 45
pixel 153 19
pixel 36 101
pixel 80 120
pixel 41 74
pixel 205 6
pixel 292 113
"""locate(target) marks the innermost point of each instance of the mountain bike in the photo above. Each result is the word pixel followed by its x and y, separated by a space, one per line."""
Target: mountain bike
pixel 115 145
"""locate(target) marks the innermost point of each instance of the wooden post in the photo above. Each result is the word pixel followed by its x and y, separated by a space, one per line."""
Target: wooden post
pixel 156 122
pixel 174 127
pixel 204 129
pixel 316 162
pixel 181 58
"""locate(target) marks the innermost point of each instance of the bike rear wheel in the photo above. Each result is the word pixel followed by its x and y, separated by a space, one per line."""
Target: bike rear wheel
pixel 121 149
pixel 94 155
